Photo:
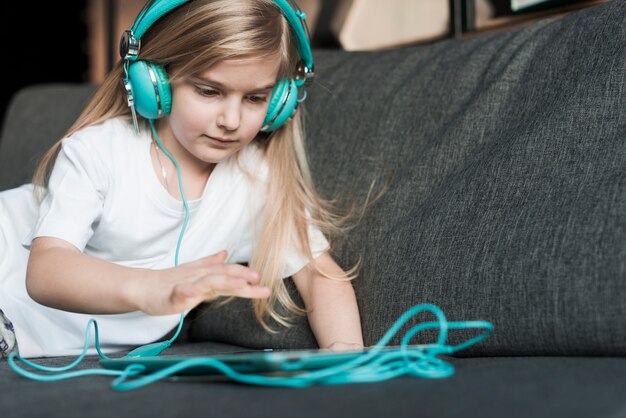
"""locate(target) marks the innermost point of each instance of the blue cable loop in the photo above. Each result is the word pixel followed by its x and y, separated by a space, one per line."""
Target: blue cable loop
pixel 373 366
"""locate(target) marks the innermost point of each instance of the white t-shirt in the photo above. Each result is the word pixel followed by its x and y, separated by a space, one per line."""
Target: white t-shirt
pixel 105 199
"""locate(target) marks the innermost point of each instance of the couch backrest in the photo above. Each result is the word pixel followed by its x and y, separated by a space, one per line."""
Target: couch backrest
pixel 508 196
pixel 36 117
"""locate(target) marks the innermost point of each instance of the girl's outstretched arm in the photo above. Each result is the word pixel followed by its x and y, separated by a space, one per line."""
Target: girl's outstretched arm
pixel 62 277
pixel 332 308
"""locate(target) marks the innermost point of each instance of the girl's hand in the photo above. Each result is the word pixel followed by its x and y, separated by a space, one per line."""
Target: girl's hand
pixel 341 346
pixel 182 288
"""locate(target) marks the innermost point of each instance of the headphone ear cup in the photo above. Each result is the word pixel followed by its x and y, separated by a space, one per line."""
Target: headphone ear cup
pixel 282 104
pixel 150 89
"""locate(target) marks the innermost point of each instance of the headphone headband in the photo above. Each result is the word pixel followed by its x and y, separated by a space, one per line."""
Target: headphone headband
pixel 155 9
pixel 296 19
pixel 152 11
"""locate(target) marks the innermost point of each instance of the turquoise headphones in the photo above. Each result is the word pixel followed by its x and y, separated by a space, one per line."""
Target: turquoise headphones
pixel 147 87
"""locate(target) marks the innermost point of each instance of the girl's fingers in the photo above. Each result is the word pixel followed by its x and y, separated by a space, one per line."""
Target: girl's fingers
pixel 231 272
pixel 215 265
pixel 187 296
pixel 217 279
pixel 211 287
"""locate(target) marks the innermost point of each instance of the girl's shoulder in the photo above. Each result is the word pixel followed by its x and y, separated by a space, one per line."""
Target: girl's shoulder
pixel 110 135
pixel 108 144
pixel 109 128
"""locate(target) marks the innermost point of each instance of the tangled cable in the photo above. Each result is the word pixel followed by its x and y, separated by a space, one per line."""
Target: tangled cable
pixel 375 365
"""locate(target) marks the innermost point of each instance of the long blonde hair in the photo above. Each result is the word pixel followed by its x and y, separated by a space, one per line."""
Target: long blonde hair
pixel 190 39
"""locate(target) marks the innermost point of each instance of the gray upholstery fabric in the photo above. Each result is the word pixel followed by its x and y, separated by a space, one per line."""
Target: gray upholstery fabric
pixel 235 323
pixel 508 193
pixel 517 387
pixel 36 118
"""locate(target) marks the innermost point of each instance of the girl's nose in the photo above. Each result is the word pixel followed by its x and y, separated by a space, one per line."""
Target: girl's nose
pixel 229 116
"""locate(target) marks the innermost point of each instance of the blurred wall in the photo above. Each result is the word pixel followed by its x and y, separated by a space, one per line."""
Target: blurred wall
pixel 55 48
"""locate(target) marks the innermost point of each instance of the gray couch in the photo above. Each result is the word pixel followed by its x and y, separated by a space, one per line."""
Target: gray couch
pixel 504 158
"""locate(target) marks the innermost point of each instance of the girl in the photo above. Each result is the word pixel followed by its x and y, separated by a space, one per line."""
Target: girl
pixel 101 238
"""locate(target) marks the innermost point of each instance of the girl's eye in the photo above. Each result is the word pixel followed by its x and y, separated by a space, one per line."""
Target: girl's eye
pixel 206 92
pixel 257 99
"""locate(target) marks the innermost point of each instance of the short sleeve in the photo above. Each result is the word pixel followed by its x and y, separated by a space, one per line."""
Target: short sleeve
pixel 296 260
pixel 75 199
pixel 252 222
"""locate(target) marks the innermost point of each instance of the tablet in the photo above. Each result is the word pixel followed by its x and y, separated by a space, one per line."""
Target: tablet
pixel 257 362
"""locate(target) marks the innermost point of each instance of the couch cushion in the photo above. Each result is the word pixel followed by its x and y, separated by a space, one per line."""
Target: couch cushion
pixel 481 387
pixel 507 201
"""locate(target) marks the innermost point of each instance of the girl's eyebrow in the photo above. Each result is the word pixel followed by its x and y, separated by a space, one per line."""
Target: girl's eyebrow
pixel 218 84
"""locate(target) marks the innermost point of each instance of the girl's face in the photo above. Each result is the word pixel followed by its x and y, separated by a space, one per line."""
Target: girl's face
pixel 219 112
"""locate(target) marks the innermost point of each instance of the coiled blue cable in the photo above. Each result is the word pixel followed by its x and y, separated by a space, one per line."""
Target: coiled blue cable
pixel 373 366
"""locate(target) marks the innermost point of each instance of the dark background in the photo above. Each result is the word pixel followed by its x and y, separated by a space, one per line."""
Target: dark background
pixel 47 44
pixel 57 47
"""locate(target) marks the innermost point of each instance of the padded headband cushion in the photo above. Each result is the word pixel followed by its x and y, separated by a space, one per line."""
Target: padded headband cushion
pixel 279 94
pixel 280 110
pixel 153 11
pixel 147 94
pixel 163 86
pixel 293 17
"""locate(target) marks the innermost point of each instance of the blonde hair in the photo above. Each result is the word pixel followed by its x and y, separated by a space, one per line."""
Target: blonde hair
pixel 189 40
